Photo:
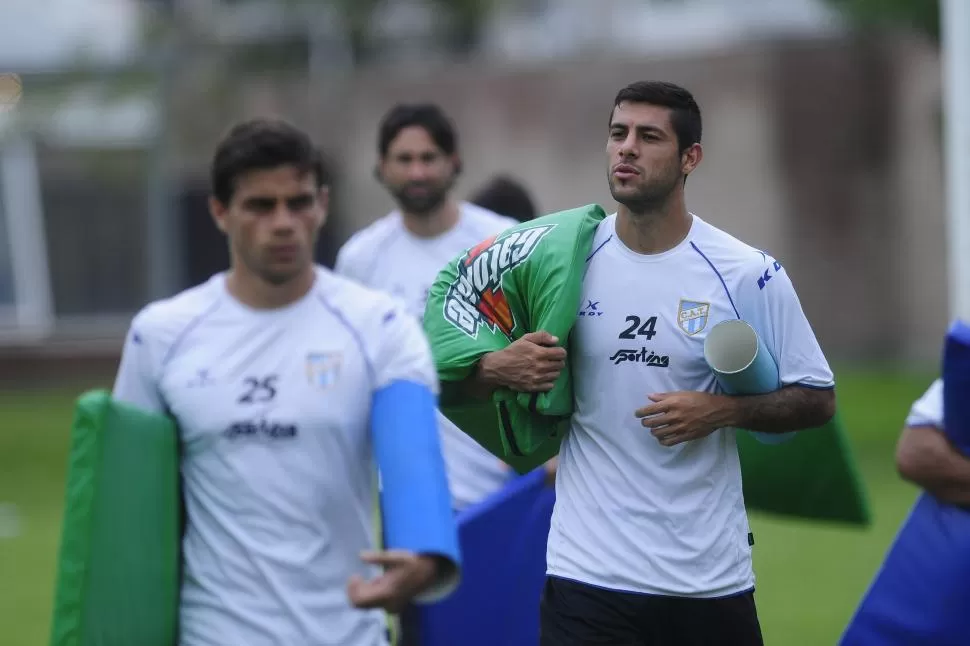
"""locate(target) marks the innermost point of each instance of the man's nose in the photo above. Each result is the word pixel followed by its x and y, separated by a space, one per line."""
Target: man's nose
pixel 628 147
pixel 419 171
pixel 283 218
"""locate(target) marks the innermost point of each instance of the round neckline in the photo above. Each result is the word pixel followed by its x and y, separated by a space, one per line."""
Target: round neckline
pixel 653 257
pixel 433 240
pixel 265 312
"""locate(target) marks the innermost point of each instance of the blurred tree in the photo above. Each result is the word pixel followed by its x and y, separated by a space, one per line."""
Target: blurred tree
pixel 357 18
pixel 462 22
pixel 921 15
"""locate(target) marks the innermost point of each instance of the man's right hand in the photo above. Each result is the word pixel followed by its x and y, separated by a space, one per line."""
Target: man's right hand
pixel 530 364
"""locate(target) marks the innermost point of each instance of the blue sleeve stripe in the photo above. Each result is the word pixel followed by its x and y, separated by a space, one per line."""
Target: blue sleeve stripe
pixel 719 277
pixel 802 384
pixel 358 338
pixel 415 499
pixel 194 323
pixel 597 249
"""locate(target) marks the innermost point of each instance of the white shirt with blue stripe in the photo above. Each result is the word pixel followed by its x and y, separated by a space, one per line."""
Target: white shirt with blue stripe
pixel 632 515
pixel 273 408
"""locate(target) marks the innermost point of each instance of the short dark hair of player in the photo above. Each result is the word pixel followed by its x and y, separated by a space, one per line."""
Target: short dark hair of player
pixel 262 144
pixel 685 114
pixel 428 116
pixel 505 196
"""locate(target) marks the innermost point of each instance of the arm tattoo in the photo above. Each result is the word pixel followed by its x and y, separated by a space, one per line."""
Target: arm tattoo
pixel 792 408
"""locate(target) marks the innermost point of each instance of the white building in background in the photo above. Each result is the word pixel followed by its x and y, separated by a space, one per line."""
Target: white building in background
pixel 50 34
pixel 36 38
pixel 533 30
pixel 53 33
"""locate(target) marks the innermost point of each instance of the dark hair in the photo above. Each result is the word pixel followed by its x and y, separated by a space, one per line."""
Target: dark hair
pixel 685 114
pixel 505 196
pixel 262 144
pixel 425 115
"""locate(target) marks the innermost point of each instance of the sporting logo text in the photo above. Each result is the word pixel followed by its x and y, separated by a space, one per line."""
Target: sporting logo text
pixel 648 357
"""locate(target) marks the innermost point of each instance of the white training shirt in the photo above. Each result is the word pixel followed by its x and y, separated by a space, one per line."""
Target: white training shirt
pixel 273 408
pixel 630 514
pixel 386 256
pixel 928 409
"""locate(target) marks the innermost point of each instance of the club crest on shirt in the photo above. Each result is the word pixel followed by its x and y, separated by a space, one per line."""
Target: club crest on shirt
pixel 692 316
pixel 323 368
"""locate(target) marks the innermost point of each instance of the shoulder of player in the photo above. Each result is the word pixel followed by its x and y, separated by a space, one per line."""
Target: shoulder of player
pixel 483 223
pixel 734 260
pixel 360 306
pixel 372 237
pixel 163 321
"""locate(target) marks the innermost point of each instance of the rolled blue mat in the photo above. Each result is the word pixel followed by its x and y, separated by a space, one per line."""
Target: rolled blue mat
pixel 956 387
pixel 415 499
pixel 742 365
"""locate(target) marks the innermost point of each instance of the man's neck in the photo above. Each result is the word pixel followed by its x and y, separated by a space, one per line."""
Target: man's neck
pixel 653 231
pixel 432 225
pixel 252 291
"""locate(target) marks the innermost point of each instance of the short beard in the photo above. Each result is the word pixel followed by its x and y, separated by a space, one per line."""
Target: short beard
pixel 649 199
pixel 422 206
pixel 426 204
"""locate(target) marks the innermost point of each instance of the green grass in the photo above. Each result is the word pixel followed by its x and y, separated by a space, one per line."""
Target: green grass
pixel 810 577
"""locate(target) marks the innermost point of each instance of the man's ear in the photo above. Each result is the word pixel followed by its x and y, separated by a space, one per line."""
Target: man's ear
pixel 218 212
pixel 457 164
pixel 692 159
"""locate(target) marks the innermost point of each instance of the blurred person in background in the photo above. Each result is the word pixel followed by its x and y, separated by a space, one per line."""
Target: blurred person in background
pixel 506 195
pixel 402 252
pixel 275 372
pixel 926 458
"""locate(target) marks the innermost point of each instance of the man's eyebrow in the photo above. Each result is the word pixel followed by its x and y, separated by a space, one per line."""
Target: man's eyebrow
pixel 642 128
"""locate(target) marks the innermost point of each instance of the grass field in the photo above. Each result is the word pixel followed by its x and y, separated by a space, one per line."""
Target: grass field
pixel 810 577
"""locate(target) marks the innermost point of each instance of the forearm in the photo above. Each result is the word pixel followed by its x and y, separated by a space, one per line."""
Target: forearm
pixel 792 408
pixel 927 459
pixel 482 382
pixel 952 487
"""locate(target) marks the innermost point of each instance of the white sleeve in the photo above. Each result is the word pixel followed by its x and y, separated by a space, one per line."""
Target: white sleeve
pixel 403 352
pixel 928 409
pixel 136 382
pixel 340 265
pixel 769 303
pixel 346 264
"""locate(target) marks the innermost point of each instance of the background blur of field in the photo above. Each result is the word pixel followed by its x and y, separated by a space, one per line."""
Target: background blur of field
pixel 810 578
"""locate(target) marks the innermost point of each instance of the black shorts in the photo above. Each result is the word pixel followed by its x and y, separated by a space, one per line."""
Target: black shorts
pixel 574 614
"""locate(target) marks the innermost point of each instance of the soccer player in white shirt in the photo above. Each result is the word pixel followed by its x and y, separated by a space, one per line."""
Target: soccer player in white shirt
pixel 402 252
pixel 276 372
pixel 926 458
pixel 650 541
